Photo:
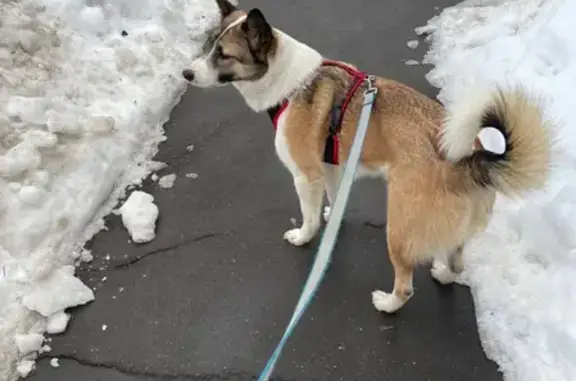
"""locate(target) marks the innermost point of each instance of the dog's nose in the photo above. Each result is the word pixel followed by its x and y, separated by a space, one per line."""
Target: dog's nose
pixel 188 75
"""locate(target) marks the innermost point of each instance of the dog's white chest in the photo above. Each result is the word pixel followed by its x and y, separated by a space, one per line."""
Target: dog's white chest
pixel 281 144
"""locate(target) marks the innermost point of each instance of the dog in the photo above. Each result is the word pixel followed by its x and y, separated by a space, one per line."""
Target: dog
pixel 441 185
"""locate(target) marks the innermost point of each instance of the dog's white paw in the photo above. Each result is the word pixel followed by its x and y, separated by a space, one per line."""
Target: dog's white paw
pixel 296 237
pixel 442 273
pixel 386 302
pixel 326 213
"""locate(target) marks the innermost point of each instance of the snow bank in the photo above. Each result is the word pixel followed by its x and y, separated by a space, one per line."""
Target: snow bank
pixel 522 270
pixel 85 87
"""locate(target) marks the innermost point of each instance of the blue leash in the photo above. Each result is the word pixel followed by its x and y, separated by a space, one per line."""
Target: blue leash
pixel 324 253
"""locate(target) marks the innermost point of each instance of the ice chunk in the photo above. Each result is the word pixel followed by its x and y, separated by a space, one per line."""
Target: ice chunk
pixel 57 323
pixel 29 343
pixel 167 181
pixel 25 368
pixel 139 216
pixel 412 44
pixel 60 290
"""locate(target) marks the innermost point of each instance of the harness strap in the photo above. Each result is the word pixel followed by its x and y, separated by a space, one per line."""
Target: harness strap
pixel 332 149
pixel 275 112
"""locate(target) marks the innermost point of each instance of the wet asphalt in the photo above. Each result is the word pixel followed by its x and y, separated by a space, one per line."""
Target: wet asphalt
pixel 209 298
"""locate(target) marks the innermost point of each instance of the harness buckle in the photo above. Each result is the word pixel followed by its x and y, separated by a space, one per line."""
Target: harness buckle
pixel 371 88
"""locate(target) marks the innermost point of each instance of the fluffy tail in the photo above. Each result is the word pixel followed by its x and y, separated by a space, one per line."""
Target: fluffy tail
pixel 525 162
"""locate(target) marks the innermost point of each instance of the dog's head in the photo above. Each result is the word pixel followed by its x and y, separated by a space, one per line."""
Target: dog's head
pixel 240 51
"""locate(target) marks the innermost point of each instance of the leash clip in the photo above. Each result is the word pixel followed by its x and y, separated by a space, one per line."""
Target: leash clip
pixel 371 88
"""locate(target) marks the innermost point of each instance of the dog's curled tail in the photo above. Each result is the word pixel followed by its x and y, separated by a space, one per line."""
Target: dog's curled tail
pixel 525 162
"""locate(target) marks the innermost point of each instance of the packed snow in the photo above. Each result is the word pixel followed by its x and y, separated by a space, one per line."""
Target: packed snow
pixel 522 270
pixel 85 87
pixel 139 216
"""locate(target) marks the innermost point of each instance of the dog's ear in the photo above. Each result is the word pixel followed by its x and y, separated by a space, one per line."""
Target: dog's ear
pixel 258 31
pixel 226 7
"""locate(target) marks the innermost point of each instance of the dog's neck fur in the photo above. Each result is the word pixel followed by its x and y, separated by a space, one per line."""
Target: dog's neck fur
pixel 291 68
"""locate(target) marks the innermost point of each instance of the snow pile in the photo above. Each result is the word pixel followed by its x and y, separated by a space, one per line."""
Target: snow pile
pixel 85 87
pixel 522 270
pixel 139 216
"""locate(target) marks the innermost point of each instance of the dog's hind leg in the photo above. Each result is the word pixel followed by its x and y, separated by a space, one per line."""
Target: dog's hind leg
pixel 310 194
pixel 446 273
pixel 333 175
pixel 403 230
pixel 403 261
pixel 403 279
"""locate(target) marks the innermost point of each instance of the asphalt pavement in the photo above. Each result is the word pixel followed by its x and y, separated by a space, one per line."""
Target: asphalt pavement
pixel 209 298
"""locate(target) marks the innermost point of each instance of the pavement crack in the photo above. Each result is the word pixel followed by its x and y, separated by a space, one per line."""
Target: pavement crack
pixel 130 262
pixel 375 225
pixel 134 372
pixel 118 265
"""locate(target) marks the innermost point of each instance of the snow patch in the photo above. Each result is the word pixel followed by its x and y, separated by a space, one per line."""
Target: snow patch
pixel 522 269
pixel 84 92
pixel 139 216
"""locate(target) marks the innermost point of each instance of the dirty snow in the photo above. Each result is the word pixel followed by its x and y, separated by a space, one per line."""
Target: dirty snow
pixel 522 270
pixel 139 216
pixel 84 91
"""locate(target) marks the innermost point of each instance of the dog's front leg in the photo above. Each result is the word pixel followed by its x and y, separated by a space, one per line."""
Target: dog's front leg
pixel 310 194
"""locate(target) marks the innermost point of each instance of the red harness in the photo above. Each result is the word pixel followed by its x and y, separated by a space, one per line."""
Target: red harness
pixel 332 150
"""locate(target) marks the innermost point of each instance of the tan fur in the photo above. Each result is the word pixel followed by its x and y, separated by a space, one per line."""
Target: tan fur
pixel 441 182
pixel 434 205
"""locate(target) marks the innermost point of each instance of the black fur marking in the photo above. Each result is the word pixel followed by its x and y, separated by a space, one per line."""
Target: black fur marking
pixel 258 32
pixel 226 78
pixel 481 163
pixel 272 111
pixel 225 7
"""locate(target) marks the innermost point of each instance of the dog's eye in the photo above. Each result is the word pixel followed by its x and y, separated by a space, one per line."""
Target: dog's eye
pixel 221 54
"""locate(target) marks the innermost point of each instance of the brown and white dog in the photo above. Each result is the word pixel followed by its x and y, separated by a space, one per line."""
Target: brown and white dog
pixel 440 189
